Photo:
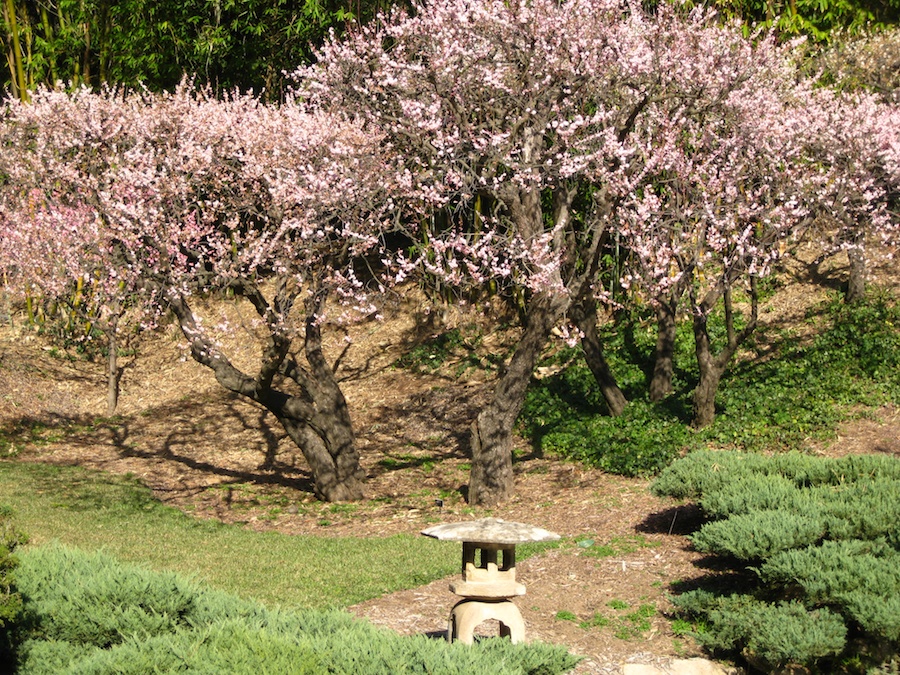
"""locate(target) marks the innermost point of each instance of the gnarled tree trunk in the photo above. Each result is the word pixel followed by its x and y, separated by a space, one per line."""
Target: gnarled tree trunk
pixel 491 480
pixel 326 435
pixel 316 419
pixel 585 317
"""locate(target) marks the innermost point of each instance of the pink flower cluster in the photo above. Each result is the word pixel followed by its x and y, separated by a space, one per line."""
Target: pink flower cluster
pixel 705 152
pixel 141 196
pixel 575 125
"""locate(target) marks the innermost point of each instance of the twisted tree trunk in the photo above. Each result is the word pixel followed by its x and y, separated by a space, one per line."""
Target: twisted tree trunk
pixel 316 419
pixel 491 480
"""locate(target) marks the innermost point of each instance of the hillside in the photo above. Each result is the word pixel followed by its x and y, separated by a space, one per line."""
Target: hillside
pixel 216 456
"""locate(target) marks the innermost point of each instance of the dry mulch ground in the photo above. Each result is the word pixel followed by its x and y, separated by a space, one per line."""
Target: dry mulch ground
pixel 219 457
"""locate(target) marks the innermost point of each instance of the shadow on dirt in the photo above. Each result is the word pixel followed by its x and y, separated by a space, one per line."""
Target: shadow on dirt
pixel 715 573
pixel 435 427
pixel 221 436
pixel 202 434
pixel 681 520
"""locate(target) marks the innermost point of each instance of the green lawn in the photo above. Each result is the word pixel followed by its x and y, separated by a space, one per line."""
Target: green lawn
pixel 93 510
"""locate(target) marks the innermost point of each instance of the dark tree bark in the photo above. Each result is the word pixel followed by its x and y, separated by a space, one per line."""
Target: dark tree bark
pixel 585 317
pixel 112 372
pixel 491 480
pixel 712 366
pixel 856 284
pixel 711 371
pixel 317 418
pixel 664 354
pixel 327 439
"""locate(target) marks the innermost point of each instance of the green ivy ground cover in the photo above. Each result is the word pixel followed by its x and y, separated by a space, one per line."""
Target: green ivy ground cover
pixel 781 393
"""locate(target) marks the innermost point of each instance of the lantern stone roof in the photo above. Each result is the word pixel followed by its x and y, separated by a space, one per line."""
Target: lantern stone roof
pixel 490 531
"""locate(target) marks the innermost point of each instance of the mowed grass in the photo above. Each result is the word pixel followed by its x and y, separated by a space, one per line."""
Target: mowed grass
pixel 97 511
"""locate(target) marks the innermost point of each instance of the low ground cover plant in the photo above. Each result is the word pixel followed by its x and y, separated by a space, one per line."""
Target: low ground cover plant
pixel 627 622
pixel 90 613
pixel 812 543
pixel 10 598
pixel 782 391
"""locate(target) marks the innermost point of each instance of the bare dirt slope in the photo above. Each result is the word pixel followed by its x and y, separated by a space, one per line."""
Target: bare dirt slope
pixel 219 457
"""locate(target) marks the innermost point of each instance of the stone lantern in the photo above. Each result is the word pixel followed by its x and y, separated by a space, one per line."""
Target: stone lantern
pixel 488 574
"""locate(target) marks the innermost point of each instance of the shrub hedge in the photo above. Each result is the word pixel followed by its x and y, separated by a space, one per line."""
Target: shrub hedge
pixel 816 542
pixel 10 598
pixel 89 614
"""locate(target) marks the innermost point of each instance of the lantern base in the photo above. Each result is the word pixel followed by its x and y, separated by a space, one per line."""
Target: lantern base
pixel 468 614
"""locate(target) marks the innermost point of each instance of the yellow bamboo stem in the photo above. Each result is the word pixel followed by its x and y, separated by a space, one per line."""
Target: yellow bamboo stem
pixel 20 87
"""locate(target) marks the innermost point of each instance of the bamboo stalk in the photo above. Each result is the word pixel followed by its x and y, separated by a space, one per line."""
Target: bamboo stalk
pixel 17 67
pixel 48 35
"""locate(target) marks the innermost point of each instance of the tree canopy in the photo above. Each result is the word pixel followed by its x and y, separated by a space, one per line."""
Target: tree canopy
pixel 587 122
pixel 553 150
pixel 155 200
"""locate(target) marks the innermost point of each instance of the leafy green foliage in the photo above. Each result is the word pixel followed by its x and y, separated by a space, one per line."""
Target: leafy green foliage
pixel 88 613
pixel 868 62
pixel 456 349
pixel 775 398
pixel 565 615
pixel 431 354
pixel 564 414
pixel 773 633
pixel 643 440
pixel 817 19
pixel 767 505
pixel 800 391
pixel 10 597
pixel 823 532
pixel 620 545
pixel 223 43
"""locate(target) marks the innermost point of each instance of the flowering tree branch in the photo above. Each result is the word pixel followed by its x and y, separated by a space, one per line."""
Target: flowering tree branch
pixel 167 198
